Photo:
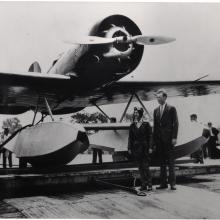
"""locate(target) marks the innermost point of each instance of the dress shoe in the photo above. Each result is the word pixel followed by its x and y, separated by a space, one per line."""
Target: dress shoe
pixel 172 187
pixel 142 188
pixel 162 187
pixel 141 193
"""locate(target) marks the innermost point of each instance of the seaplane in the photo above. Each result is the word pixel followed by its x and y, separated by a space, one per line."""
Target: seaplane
pixel 87 74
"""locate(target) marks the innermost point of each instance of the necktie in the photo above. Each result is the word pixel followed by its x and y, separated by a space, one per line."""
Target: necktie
pixel 161 111
pixel 211 132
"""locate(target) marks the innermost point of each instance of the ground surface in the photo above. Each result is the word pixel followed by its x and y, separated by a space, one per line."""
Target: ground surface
pixel 197 197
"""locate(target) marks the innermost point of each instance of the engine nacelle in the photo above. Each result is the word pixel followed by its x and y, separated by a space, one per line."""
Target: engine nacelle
pixel 104 63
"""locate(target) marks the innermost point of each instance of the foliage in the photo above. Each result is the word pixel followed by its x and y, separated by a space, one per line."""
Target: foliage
pixel 13 124
pixel 88 118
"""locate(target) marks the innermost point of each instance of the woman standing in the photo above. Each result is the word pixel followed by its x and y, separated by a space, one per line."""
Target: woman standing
pixel 139 143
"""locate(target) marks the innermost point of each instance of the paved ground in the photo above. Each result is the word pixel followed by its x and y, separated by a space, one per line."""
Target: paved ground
pixel 197 197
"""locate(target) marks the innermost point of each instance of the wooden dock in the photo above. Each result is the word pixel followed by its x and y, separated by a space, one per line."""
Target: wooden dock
pixel 10 211
pixel 198 197
pixel 13 179
pixel 186 202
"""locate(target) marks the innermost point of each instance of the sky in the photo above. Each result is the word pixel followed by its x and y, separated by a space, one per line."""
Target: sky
pixel 35 31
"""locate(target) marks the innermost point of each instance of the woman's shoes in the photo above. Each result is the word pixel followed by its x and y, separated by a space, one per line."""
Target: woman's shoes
pixel 141 193
pixel 172 187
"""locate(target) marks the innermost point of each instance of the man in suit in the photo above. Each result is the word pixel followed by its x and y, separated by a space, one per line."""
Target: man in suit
pixel 165 137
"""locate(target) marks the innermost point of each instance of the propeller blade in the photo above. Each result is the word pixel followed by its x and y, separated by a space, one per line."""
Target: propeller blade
pixel 139 39
pixel 152 40
pixel 91 40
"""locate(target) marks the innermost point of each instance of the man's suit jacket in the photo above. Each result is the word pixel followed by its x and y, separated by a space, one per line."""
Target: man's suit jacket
pixel 215 131
pixel 165 127
pixel 214 138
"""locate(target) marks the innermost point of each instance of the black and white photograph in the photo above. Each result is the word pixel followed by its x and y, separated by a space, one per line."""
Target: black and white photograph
pixel 109 110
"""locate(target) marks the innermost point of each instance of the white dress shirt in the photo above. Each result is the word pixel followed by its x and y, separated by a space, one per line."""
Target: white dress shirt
pixel 162 109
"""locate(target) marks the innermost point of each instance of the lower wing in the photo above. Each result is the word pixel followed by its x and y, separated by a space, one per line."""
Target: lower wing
pixel 22 92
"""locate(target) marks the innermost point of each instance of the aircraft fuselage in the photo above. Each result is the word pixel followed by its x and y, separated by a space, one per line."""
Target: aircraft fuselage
pixel 96 65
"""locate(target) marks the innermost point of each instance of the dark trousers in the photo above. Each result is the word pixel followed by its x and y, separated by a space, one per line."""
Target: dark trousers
pixel 9 160
pixel 166 159
pixel 214 153
pixel 94 155
pixel 205 150
pixel 22 163
pixel 198 155
pixel 145 175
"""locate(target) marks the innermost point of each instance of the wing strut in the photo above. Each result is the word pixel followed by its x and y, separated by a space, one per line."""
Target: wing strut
pixel 49 109
pixel 126 108
pixel 128 104
pixel 101 111
pixel 36 110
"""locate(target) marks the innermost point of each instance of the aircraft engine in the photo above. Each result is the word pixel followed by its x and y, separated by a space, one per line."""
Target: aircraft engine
pixel 107 62
pixel 118 49
pixel 128 54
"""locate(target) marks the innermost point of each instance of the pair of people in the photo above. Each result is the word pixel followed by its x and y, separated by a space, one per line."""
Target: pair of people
pixel 164 137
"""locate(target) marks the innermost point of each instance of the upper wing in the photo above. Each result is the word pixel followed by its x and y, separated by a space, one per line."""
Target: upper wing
pixel 20 92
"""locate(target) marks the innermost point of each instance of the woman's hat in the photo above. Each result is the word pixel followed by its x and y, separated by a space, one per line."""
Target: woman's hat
pixel 140 110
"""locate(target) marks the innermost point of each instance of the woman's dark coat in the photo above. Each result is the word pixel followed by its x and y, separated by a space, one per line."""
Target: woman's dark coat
pixel 139 140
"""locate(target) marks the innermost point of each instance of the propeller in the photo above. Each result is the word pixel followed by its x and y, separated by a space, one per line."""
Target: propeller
pixel 139 39
pixel 151 40
pixel 91 40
